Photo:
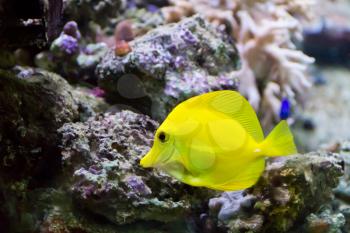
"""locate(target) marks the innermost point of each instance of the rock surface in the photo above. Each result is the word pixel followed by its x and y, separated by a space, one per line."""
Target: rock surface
pixel 87 11
pixel 70 56
pixel 290 189
pixel 101 156
pixel 168 65
pixel 33 105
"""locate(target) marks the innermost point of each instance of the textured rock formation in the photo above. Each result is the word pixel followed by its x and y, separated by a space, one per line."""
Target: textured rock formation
pixel 101 160
pixel 70 57
pixel 291 189
pixel 170 64
pixel 33 105
pixel 86 11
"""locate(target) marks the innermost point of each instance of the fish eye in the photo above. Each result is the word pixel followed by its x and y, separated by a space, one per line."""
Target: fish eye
pixel 163 137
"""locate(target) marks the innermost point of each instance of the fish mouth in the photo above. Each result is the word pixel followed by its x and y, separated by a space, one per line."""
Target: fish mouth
pixel 152 159
pixel 147 160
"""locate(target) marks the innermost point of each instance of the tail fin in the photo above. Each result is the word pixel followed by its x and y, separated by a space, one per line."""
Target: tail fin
pixel 279 142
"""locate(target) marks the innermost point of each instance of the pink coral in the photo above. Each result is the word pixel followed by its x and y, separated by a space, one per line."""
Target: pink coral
pixel 263 31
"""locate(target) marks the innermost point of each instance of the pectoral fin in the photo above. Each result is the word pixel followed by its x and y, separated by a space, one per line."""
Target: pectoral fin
pixel 201 156
pixel 177 170
pixel 245 179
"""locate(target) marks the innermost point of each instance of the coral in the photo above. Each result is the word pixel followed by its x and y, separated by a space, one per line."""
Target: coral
pixel 101 159
pixel 263 31
pixel 86 11
pixel 143 20
pixel 122 48
pixel 66 44
pixel 132 23
pixel 71 29
pixel 70 57
pixel 230 204
pixel 170 64
pixel 98 92
pixel 123 31
pixel 90 56
pixel 287 192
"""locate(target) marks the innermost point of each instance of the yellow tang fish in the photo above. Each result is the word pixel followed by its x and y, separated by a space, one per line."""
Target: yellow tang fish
pixel 215 140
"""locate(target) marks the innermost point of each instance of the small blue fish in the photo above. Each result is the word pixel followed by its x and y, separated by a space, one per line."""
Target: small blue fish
pixel 286 109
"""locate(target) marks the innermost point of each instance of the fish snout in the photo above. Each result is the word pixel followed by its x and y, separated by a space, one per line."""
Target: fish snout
pixel 147 160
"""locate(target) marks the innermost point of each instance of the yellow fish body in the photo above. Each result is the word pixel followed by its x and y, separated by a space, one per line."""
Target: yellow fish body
pixel 215 140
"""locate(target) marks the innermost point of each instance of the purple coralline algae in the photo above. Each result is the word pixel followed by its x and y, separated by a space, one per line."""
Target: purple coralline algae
pixel 102 158
pixel 70 57
pixel 97 91
pixel 67 44
pixel 288 192
pixel 71 29
pixel 188 37
pixel 173 62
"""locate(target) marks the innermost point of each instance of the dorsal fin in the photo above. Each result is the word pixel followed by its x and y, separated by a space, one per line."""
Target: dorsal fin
pixel 233 105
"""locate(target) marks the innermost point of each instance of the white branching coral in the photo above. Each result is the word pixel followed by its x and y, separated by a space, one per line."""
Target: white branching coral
pixel 263 31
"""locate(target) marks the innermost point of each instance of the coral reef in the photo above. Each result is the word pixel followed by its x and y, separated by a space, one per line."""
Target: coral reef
pixel 86 12
pixel 69 162
pixel 144 17
pixel 53 211
pixel 170 64
pixel 288 192
pixel 101 156
pixel 99 187
pixel 334 217
pixel 263 31
pixel 70 57
pixel 100 175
